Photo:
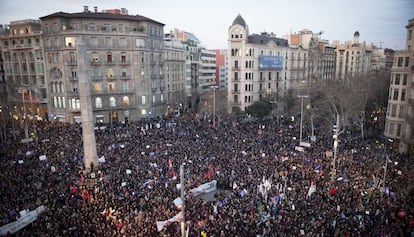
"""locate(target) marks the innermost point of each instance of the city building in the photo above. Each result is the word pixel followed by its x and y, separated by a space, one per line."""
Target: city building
pixel 321 60
pixel 125 69
pixel 221 68
pixel 175 73
pixel 262 67
pixel 193 66
pixel 382 59
pixel 353 59
pixel 207 77
pixel 3 89
pixel 399 124
pixel 24 69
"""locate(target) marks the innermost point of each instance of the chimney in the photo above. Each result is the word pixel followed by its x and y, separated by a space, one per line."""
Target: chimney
pixel 95 9
pixel 85 8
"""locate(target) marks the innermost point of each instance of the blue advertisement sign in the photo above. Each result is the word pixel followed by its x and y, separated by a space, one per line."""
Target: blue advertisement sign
pixel 270 62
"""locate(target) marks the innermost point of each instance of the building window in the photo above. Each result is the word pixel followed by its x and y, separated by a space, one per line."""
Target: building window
pixel 108 42
pixel 70 42
pixel 97 87
pixel 111 87
pixel 98 103
pixel 398 129
pixel 395 95
pixel 400 62
pixel 123 72
pixel 403 95
pixel 112 102
pixel 393 110
pixel 397 79
pixel 109 72
pixel 109 57
pixel 143 100
pixel 125 100
pixel 407 61
pixel 140 43
pixel 405 79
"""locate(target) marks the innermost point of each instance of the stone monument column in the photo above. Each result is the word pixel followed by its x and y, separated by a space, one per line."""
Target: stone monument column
pixel 88 132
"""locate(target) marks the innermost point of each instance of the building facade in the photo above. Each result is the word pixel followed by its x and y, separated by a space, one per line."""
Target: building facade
pixel 126 65
pixel 353 59
pixel 24 69
pixel 262 67
pixel 207 77
pixel 399 124
pixel 175 73
pixel 221 68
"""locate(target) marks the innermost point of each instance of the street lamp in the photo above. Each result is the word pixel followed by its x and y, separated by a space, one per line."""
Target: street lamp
pixel 214 105
pixel 26 131
pixel 301 117
pixel 182 199
pixel 335 136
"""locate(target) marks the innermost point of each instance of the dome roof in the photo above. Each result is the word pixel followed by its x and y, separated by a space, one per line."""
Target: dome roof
pixel 240 21
pixel 356 33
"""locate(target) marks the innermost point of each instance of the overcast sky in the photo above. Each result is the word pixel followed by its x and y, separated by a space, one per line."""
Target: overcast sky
pixel 376 20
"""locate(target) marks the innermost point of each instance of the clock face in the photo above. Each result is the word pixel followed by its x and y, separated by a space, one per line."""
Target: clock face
pixel 55 73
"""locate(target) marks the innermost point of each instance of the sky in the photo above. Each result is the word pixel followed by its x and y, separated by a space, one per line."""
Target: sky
pixel 381 22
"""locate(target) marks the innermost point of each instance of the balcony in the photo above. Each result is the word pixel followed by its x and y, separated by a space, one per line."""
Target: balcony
pixel 235 79
pixel 72 63
pixel 161 63
pixel 153 76
pixel 109 63
pixel 235 91
pixel 95 62
pixel 161 76
pixel 236 68
pixel 124 63
pixel 152 63
pixel 154 89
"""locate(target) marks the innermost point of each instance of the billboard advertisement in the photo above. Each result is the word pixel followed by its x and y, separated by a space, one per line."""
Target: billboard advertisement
pixel 267 62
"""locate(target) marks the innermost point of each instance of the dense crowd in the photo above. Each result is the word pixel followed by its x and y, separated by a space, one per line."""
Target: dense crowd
pixel 136 184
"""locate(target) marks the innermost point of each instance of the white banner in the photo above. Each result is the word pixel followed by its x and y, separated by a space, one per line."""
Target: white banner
pixel 204 188
pixel 161 224
pixel 22 221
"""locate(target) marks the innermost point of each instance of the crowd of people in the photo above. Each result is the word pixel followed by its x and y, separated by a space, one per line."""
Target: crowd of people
pixel 266 186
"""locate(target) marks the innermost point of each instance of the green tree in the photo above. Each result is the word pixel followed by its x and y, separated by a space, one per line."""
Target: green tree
pixel 259 109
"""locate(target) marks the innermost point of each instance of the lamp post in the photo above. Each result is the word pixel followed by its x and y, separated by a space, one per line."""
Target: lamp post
pixel 26 131
pixel 335 136
pixel 183 200
pixel 214 105
pixel 301 116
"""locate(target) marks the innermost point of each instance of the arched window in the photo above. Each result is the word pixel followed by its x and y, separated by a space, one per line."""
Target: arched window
pixel 112 102
pixel 98 103
pixel 125 100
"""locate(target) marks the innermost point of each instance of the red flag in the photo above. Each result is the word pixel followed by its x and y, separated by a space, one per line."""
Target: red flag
pixel 207 175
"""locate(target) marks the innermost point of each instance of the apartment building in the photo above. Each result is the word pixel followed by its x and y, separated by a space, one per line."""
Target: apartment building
pixel 262 67
pixel 353 59
pixel 221 68
pixel 175 73
pixel 193 67
pixel 207 77
pixel 321 60
pixel 24 70
pixel 399 125
pixel 125 71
